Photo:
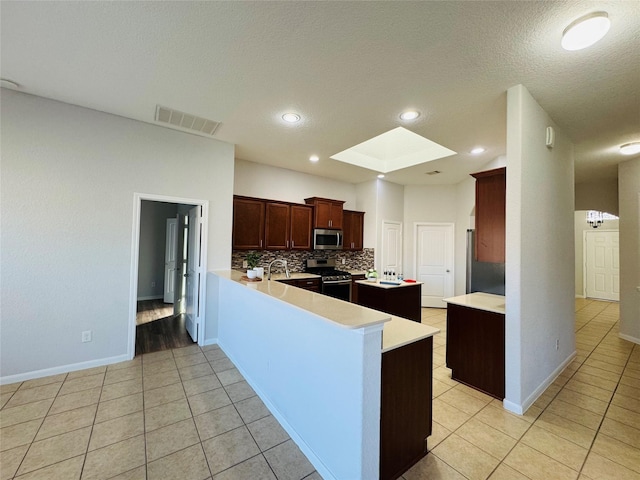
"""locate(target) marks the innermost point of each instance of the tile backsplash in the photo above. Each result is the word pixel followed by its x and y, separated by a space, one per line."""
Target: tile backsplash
pixel 296 259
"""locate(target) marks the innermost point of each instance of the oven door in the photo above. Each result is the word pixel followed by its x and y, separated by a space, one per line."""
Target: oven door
pixel 338 289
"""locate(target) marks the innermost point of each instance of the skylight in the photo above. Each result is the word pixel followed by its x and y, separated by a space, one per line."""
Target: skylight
pixel 396 149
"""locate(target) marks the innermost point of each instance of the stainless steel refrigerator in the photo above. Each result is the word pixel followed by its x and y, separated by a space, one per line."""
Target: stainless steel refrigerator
pixel 482 276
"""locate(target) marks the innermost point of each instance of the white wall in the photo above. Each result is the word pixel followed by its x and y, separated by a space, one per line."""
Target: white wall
pixel 601 195
pixel 466 202
pixel 67 192
pixel 367 201
pixel 629 191
pixel 264 181
pixel 540 271
pixel 390 207
pixel 153 226
pixel 581 226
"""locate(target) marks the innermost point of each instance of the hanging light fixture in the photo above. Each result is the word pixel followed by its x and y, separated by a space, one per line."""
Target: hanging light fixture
pixel 595 218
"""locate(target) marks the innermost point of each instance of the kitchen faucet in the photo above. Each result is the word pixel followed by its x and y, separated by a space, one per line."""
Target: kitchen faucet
pixel 283 263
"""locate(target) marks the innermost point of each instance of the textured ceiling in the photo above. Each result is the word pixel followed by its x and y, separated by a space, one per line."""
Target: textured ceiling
pixel 349 68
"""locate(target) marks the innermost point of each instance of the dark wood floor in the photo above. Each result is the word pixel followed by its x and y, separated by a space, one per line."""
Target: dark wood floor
pixel 165 333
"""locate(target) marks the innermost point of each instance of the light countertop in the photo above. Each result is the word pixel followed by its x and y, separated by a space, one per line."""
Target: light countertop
pixel 294 276
pixel 400 332
pixel 481 301
pixel 387 286
pixel 345 314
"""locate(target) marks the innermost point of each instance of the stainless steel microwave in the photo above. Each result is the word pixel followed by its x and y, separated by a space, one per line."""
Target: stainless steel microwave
pixel 327 239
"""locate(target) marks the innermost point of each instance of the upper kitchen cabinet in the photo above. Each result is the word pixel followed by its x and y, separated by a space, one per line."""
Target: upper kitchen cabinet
pixel 248 223
pixel 287 226
pixel 327 213
pixel 353 230
pixel 490 215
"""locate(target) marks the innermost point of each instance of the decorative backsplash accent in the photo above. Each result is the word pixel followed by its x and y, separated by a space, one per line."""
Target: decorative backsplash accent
pixel 296 259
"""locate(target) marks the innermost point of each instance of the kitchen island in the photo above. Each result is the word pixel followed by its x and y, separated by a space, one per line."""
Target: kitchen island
pixel 475 341
pixel 396 298
pixel 313 359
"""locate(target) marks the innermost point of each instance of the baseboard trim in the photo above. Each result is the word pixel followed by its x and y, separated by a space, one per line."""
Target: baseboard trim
pixel 580 296
pixel 530 400
pixel 308 452
pixel 210 341
pixel 46 372
pixel 152 297
pixel 629 338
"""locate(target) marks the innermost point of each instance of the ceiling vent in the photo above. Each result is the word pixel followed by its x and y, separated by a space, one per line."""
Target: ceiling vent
pixel 433 172
pixel 186 122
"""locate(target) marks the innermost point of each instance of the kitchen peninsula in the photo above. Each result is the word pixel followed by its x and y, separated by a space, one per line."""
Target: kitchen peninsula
pixel 475 341
pixel 396 298
pixel 313 359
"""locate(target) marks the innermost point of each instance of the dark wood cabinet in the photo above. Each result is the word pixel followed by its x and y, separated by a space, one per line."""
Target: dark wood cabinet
pixel 248 223
pixel 312 284
pixel 353 230
pixel 327 213
pixel 490 215
pixel 301 218
pixel 266 224
pixel 277 230
pixel 475 348
pixel 402 301
pixel 354 286
pixel 405 409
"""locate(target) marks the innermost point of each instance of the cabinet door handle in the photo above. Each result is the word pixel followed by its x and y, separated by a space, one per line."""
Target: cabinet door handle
pixel 293 244
pixel 260 243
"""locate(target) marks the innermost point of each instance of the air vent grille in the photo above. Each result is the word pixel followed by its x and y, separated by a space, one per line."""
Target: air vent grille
pixel 433 172
pixel 185 121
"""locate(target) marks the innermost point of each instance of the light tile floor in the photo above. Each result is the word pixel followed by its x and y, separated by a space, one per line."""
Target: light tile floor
pixel 187 413
pixel 585 426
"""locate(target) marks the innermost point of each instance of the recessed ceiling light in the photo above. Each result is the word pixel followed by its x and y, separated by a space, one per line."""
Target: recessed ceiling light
pixel 314 158
pixel 478 150
pixel 291 117
pixel 585 31
pixel 381 175
pixel 630 148
pixel 409 115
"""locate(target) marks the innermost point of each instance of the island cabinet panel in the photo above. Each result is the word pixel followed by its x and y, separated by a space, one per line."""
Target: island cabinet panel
pixel 475 348
pixel 400 301
pixel 248 223
pixel 301 218
pixel 327 212
pixel 354 286
pixel 277 226
pixel 490 215
pixel 312 284
pixel 406 412
pixel 353 229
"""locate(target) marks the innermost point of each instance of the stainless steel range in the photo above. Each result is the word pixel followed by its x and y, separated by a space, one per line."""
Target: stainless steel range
pixel 335 283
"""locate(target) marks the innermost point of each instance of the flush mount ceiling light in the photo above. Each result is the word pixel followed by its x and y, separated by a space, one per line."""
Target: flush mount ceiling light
pixel 585 31
pixel 478 150
pixel 381 175
pixel 314 158
pixel 291 117
pixel 630 148
pixel 409 115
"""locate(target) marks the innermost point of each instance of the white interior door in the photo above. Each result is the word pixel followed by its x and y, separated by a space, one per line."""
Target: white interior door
pixel 434 262
pixel 391 258
pixel 170 257
pixel 602 264
pixel 192 307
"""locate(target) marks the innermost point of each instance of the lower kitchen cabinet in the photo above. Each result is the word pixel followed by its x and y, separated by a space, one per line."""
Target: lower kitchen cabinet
pixel 312 284
pixel 406 411
pixel 475 348
pixel 354 286
pixel 401 301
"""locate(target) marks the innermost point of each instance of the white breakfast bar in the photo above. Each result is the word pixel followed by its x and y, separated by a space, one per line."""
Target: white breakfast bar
pixel 317 364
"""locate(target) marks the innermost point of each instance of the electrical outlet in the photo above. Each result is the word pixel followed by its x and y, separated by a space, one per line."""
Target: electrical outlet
pixel 245 264
pixel 86 336
pixel 557 344
pixel 153 284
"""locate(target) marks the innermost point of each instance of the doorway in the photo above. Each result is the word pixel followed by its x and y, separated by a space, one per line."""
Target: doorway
pixel 434 254
pixel 186 324
pixel 602 264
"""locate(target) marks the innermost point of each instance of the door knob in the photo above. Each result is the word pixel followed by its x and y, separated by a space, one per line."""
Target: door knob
pixel 448 271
